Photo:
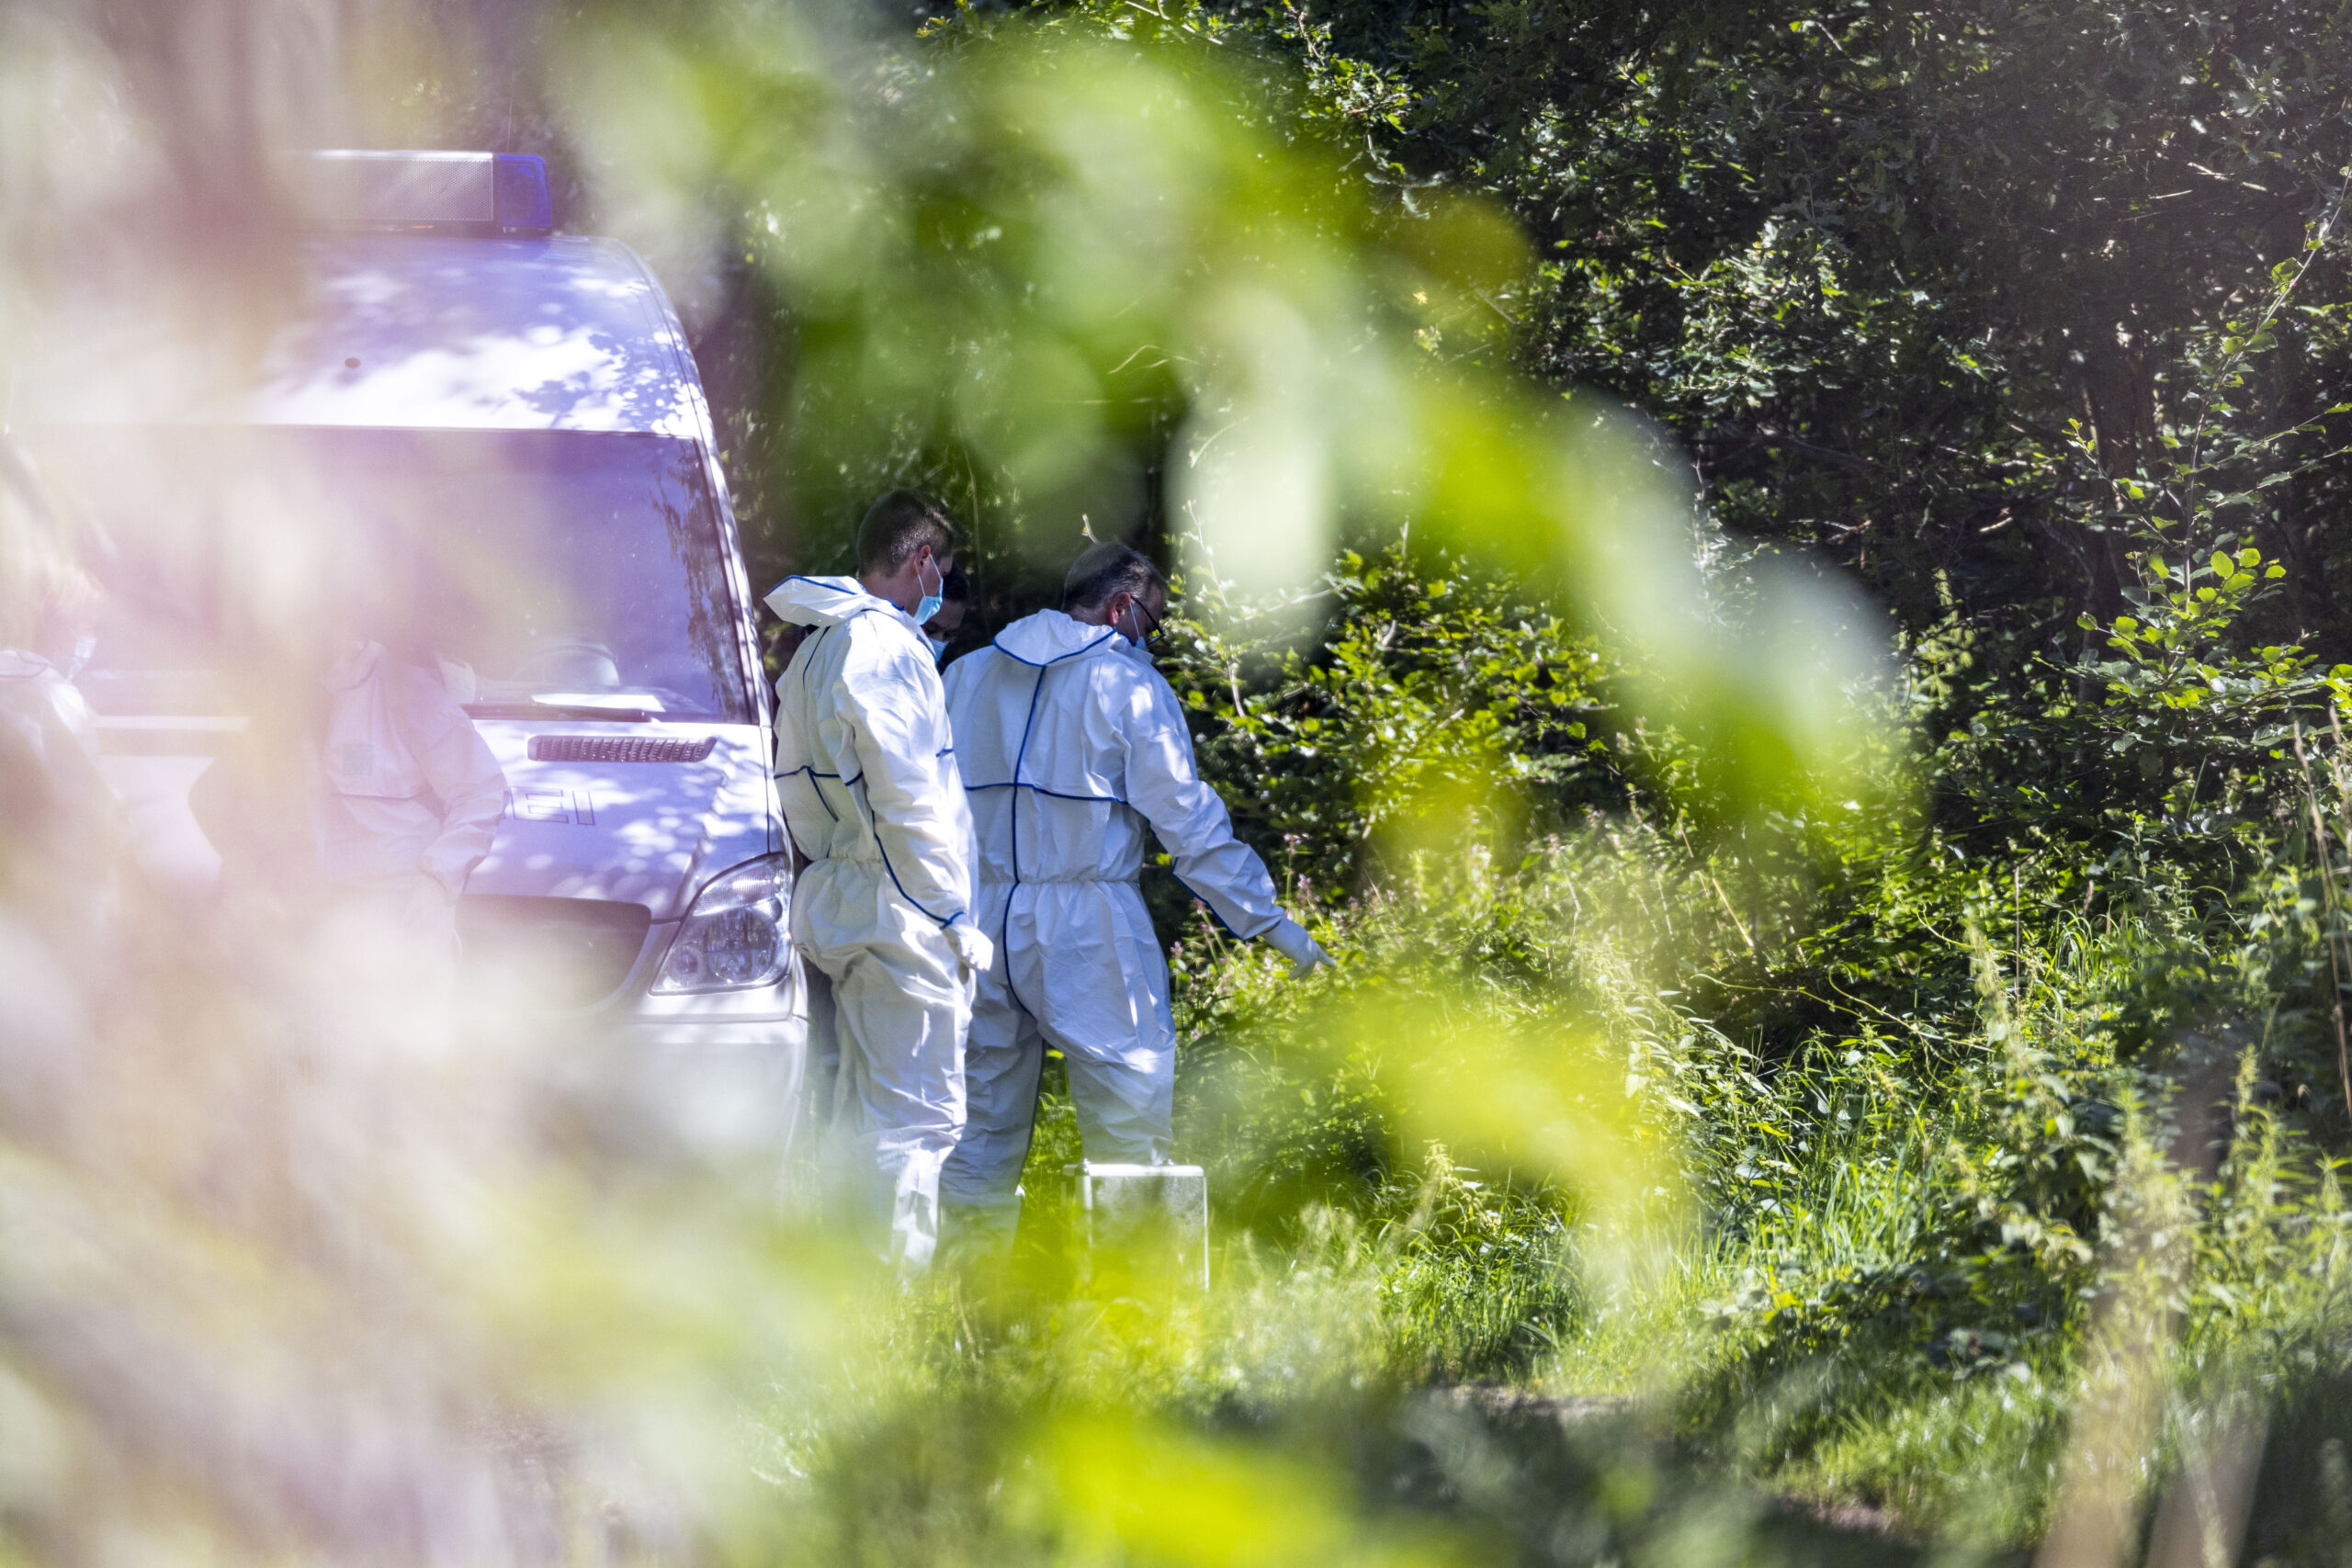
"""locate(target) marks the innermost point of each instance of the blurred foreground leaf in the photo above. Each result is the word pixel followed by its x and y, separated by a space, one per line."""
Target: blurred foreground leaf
pixel 1041 257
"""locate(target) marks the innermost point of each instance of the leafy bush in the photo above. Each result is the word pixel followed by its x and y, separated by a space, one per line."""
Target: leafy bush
pixel 1916 1095
pixel 1436 700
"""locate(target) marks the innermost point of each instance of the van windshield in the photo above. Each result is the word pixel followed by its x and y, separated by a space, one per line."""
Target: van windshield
pixel 546 571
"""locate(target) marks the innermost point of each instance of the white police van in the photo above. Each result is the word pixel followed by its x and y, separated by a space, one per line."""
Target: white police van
pixel 499 433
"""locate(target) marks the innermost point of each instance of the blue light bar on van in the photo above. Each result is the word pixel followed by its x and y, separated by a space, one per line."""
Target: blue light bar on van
pixel 473 192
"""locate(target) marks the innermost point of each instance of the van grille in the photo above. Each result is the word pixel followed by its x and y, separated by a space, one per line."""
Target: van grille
pixel 617 748
pixel 548 953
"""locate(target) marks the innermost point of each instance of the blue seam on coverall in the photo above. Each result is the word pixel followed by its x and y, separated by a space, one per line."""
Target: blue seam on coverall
pixel 1027 728
pixel 811 771
pixel 901 887
pixel 1057 794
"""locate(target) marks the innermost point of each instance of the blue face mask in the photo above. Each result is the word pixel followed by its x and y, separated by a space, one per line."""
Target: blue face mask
pixel 938 647
pixel 934 597
pixel 1140 638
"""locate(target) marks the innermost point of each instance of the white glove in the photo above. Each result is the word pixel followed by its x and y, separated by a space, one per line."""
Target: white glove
pixel 1290 939
pixel 973 951
pixel 429 914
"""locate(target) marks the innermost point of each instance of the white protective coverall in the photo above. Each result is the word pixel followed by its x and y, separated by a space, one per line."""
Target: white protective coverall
pixel 47 711
pixel 69 839
pixel 865 768
pixel 413 795
pixel 1070 743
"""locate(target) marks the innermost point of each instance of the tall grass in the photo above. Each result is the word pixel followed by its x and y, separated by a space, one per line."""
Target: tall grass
pixel 1897 1291
pixel 1690 1142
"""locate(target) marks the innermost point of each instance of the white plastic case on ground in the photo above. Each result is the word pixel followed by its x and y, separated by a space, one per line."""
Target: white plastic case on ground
pixel 1153 1217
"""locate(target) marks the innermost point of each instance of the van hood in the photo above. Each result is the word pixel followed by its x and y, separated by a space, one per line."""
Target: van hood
pixel 641 813
pixel 826 601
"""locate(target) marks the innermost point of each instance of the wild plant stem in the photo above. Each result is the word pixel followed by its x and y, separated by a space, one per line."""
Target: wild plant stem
pixel 2335 912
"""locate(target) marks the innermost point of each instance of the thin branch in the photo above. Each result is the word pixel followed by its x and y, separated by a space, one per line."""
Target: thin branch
pixel 2335 910
pixel 2311 250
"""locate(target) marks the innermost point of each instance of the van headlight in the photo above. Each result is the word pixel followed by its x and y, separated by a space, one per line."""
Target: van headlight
pixel 733 937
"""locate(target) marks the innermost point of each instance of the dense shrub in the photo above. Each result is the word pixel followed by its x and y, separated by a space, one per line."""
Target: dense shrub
pixel 1917 1093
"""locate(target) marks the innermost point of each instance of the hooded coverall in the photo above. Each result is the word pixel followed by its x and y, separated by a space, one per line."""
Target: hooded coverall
pixel 1071 743
pixel 413 795
pixel 866 768
pixel 65 821
pixel 49 714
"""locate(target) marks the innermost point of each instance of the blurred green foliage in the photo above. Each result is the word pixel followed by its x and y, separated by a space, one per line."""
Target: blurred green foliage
pixel 1760 1087
pixel 2030 316
pixel 1918 1120
pixel 1084 285
pixel 1433 692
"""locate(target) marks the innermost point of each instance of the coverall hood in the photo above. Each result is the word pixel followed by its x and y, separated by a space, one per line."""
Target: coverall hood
pixel 826 601
pixel 1051 637
pixel 356 664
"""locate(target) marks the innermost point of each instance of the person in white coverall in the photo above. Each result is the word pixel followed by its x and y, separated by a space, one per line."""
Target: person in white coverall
pixel 866 772
pixel 1072 744
pixel 412 795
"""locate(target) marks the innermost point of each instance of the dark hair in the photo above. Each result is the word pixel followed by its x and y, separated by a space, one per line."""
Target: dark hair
pixel 956 588
pixel 1105 570
pixel 899 525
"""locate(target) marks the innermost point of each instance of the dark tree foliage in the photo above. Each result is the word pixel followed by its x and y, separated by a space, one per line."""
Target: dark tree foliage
pixel 1873 261
pixel 1989 303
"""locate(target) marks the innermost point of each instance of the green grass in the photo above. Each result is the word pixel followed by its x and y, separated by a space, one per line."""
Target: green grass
pixel 1865 1283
